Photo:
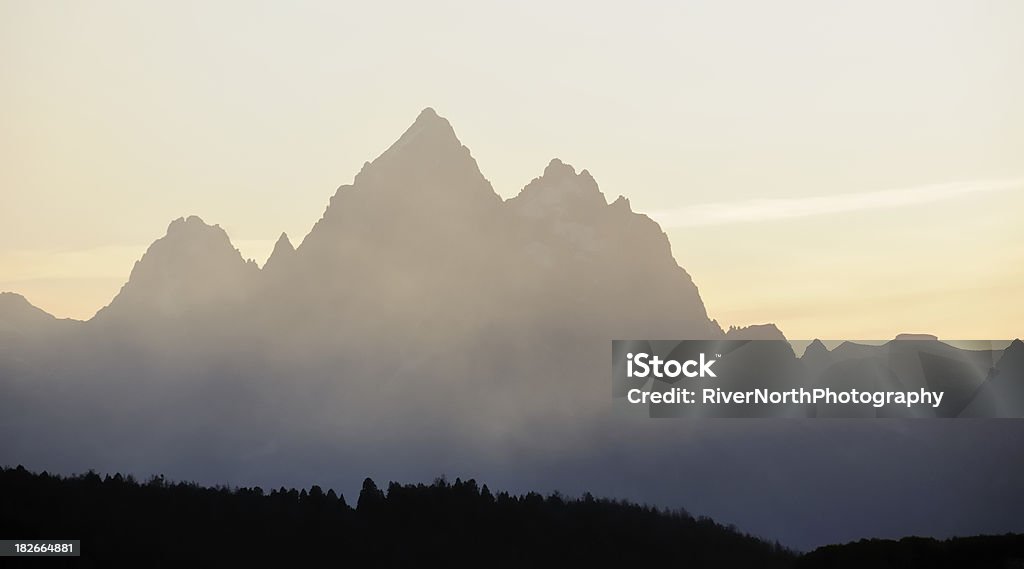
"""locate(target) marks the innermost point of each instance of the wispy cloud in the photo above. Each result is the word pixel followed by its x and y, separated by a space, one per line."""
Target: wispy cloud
pixel 787 208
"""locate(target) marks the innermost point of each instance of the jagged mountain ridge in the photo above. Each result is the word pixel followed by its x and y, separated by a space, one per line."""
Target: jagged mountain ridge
pixel 193 267
pixel 418 280
pixel 421 234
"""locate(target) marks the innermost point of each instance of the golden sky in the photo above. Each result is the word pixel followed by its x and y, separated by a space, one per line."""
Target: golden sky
pixel 843 169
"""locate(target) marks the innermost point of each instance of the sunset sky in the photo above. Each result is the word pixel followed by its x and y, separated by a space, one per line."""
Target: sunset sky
pixel 843 169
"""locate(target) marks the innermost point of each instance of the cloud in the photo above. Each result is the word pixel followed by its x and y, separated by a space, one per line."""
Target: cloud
pixel 788 208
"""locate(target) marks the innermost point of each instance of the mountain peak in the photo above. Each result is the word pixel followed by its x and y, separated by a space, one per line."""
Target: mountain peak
pixel 1012 357
pixel 429 122
pixel 428 160
pixel 12 299
pixel 556 168
pixel 193 225
pixel 621 202
pixel 815 349
pixel 428 130
pixel 428 113
pixel 18 316
pixel 1016 347
pixel 561 188
pixel 194 263
pixel 283 250
pixel 426 183
pixel 14 307
pixel 283 242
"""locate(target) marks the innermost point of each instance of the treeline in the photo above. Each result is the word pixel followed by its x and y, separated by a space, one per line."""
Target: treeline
pixel 979 552
pixel 124 522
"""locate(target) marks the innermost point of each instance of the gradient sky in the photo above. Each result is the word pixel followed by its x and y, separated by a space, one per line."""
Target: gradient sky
pixel 843 169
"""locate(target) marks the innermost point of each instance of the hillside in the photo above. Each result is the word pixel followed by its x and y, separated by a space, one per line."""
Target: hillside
pixel 121 522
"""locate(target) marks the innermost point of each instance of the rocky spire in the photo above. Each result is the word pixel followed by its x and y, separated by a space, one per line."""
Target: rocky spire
pixel 193 265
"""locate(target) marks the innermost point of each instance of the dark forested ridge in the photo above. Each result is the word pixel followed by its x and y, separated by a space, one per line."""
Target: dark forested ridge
pixel 983 551
pixel 123 522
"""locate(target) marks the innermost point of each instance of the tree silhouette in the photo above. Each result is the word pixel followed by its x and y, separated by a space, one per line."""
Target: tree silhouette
pixel 160 523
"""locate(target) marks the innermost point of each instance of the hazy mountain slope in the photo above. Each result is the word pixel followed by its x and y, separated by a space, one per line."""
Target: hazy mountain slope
pixel 192 269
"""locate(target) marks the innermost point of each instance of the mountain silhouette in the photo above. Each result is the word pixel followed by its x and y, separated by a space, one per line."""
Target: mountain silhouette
pixel 19 317
pixel 280 258
pixel 417 289
pixel 420 233
pixel 192 268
